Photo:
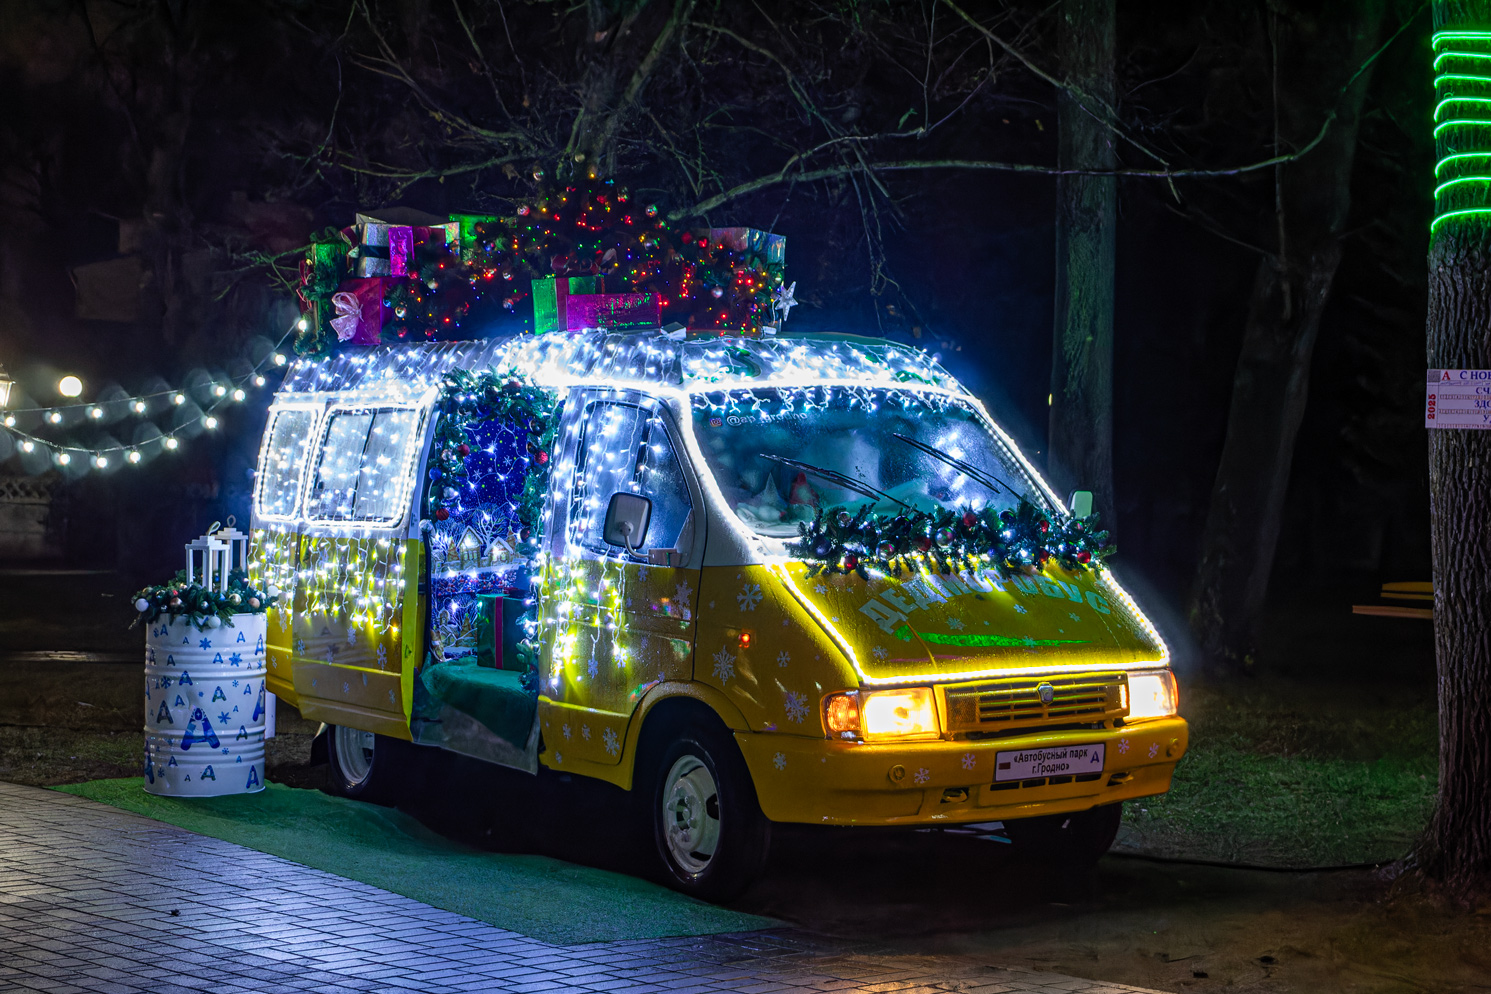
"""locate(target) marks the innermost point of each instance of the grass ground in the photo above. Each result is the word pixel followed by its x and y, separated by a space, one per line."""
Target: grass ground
pixel 1288 774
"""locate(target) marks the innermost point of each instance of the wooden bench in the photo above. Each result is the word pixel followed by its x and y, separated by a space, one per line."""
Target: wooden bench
pixel 1406 590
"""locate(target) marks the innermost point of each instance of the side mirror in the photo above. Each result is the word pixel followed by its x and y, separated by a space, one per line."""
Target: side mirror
pixel 1080 503
pixel 627 518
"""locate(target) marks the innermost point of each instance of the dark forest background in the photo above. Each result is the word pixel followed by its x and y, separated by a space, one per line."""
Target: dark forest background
pixel 161 163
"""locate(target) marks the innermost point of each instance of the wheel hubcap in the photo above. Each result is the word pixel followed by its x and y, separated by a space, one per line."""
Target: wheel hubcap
pixel 691 814
pixel 354 754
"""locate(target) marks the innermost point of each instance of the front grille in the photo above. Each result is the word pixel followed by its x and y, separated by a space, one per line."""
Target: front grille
pixel 1016 703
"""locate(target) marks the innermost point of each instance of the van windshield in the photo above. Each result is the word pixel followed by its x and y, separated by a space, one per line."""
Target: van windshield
pixel 780 455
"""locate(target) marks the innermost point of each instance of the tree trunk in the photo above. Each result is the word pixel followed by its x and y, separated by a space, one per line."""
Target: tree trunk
pixel 1318 47
pixel 606 102
pixel 1081 418
pixel 1456 848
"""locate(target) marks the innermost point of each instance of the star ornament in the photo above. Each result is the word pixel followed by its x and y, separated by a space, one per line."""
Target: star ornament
pixel 783 299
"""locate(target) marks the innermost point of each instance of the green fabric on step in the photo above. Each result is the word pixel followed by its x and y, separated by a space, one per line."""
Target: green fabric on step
pixel 495 698
pixel 545 898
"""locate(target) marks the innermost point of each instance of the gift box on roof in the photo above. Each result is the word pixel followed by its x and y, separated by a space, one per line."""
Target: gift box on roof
pixel 575 303
pixel 468 236
pixel 385 244
pixel 771 248
pixel 361 309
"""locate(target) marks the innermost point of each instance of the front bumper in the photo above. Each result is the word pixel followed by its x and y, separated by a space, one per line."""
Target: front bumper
pixel 819 781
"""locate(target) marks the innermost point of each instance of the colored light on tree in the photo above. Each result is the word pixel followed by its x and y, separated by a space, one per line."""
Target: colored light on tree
pixel 1462 125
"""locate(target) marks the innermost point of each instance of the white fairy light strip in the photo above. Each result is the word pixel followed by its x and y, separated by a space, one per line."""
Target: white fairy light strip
pixel 681 374
pixel 102 456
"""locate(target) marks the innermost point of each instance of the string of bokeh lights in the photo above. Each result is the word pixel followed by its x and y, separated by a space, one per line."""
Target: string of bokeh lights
pixel 219 393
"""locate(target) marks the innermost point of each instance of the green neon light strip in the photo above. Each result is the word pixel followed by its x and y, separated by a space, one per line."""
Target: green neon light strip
pixel 1459 155
pixel 1461 123
pixel 1458 180
pixel 1449 46
pixel 1459 36
pixel 1445 217
pixel 1459 55
pixel 1443 77
pixel 1459 100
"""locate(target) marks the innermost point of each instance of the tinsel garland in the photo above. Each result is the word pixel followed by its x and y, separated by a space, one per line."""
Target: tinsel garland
pixel 207 607
pixel 468 398
pixel 1021 539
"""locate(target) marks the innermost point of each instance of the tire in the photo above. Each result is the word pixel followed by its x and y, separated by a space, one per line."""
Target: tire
pixel 710 835
pixel 1076 840
pixel 367 767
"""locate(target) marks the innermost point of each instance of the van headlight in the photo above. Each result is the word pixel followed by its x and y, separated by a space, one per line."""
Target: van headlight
pixel 1152 694
pixel 906 711
pixel 877 715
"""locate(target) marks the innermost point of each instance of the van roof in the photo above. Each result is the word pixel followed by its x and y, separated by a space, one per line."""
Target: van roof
pixel 558 359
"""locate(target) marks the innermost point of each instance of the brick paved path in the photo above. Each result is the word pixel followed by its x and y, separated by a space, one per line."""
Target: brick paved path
pixel 97 899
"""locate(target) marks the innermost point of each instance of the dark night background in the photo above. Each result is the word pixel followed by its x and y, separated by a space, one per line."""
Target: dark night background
pixel 154 156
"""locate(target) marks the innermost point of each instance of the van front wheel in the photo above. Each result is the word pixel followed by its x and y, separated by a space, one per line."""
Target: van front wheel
pixel 708 827
pixel 1077 840
pixel 363 765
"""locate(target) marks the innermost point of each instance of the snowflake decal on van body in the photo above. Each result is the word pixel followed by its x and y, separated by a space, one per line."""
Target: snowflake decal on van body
pixel 749 596
pixel 724 664
pixel 612 743
pixel 796 706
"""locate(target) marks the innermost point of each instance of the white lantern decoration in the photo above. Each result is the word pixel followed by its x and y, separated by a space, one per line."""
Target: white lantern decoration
pixel 238 547
pixel 211 558
pixel 207 562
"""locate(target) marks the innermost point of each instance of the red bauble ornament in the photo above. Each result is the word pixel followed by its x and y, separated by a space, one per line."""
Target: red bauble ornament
pixel 1045 526
pixel 1084 558
pixel 464 449
pixel 924 542
pixel 541 457
pixel 969 519
pixel 441 514
pixel 851 561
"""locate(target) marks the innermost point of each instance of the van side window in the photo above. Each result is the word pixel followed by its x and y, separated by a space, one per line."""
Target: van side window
pixel 624 448
pixel 660 477
pixel 607 463
pixel 360 475
pixel 281 465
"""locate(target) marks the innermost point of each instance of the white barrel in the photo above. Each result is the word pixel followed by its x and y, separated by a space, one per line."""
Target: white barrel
pixel 205 707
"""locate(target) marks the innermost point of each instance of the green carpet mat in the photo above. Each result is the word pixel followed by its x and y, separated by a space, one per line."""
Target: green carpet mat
pixel 540 897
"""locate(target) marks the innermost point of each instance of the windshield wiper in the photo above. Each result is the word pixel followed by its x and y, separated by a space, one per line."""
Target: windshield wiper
pixel 972 472
pixel 834 476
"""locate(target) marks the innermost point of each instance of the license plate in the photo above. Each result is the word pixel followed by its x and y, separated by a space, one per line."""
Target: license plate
pixel 1028 764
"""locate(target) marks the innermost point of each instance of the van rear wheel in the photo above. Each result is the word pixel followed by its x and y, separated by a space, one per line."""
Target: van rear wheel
pixel 710 834
pixel 365 766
